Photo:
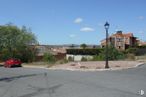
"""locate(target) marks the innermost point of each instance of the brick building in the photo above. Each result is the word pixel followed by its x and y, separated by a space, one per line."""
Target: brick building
pixel 121 41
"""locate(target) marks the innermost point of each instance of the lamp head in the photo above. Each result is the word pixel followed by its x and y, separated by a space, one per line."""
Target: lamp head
pixel 106 25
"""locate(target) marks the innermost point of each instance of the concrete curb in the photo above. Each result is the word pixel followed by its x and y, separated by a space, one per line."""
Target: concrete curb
pixel 140 64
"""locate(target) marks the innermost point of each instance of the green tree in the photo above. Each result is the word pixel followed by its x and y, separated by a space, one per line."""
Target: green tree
pixel 83 45
pixel 131 50
pixel 15 42
pixel 48 57
pixel 72 46
pixel 113 54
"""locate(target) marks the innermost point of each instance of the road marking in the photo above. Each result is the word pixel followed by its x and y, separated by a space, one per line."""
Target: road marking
pixel 141 92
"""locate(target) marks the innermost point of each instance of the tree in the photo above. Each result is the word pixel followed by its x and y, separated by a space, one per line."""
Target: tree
pixel 15 42
pixel 113 54
pixel 72 46
pixel 83 45
pixel 131 50
pixel 48 57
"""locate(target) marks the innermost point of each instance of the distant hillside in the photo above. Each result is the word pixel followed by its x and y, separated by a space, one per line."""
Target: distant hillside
pixel 71 45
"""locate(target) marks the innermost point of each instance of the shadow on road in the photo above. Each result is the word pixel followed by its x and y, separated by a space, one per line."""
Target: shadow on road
pixel 9 79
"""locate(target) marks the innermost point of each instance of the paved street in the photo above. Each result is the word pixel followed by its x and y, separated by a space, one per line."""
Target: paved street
pixel 28 82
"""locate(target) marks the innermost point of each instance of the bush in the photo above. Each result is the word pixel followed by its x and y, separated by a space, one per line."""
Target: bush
pixel 70 58
pixel 5 55
pixel 84 59
pixel 130 57
pixel 49 58
pixel 63 61
pixel 28 57
pixel 144 46
pixel 113 54
pixel 131 50
pixel 98 58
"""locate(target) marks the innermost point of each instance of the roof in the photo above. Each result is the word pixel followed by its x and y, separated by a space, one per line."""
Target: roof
pixel 123 35
pixel 128 34
pixel 119 34
pixel 141 43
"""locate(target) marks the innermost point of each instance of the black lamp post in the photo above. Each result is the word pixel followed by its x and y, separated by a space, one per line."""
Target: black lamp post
pixel 106 28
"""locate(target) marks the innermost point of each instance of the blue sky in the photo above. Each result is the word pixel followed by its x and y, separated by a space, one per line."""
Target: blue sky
pixel 75 21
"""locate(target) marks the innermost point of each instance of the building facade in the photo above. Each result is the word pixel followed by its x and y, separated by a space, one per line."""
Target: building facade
pixel 58 52
pixel 121 41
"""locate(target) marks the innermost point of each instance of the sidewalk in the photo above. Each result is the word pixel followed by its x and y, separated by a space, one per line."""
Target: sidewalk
pixel 90 66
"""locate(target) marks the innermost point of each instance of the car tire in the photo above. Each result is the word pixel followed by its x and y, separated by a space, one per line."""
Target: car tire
pixel 20 65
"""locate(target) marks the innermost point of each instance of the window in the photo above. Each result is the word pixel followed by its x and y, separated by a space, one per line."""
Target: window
pixel 119 39
pixel 121 44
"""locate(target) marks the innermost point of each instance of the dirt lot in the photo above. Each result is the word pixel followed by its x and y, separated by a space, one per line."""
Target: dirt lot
pixel 97 65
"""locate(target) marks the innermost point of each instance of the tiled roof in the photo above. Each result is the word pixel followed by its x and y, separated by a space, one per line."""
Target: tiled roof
pixel 141 43
pixel 118 35
pixel 128 34
pixel 123 35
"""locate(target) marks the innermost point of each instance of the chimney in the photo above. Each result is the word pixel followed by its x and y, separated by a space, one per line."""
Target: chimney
pixel 119 32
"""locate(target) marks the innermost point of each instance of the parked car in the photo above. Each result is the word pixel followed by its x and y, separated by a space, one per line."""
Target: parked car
pixel 12 62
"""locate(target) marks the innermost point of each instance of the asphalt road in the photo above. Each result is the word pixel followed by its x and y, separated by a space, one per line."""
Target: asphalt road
pixel 26 82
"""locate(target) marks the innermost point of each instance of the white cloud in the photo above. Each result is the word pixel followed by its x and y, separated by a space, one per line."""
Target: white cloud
pixel 141 17
pixel 86 29
pixel 72 35
pixel 78 20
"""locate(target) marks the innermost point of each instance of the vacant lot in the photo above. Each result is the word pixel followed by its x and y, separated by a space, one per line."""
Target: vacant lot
pixel 92 65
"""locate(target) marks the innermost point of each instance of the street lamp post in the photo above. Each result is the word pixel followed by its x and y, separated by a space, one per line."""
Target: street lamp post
pixel 106 28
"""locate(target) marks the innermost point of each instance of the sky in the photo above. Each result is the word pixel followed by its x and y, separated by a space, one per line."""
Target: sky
pixel 75 21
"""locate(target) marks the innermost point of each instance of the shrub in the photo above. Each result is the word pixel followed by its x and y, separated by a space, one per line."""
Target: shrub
pixel 49 58
pixel 144 46
pixel 63 61
pixel 70 58
pixel 84 59
pixel 130 57
pixel 131 50
pixel 113 54
pixel 98 58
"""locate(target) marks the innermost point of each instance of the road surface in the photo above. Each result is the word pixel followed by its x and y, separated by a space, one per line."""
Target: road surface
pixel 29 82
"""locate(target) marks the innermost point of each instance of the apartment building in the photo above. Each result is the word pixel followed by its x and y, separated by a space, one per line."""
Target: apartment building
pixel 120 40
